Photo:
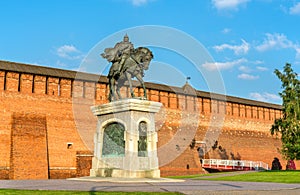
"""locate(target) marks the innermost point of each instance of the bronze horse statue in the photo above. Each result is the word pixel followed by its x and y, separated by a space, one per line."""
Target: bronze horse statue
pixel 134 66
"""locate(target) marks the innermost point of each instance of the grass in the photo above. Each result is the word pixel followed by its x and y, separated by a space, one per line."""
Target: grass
pixel 197 176
pixel 264 176
pixel 52 192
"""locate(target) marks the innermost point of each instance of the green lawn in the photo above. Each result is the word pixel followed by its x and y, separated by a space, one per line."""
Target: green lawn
pixel 197 176
pixel 264 176
pixel 37 192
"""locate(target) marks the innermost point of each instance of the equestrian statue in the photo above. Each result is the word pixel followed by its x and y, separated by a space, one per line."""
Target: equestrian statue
pixel 127 63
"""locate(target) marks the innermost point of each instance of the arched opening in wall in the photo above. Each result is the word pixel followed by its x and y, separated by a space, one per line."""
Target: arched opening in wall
pixel 202 150
pixel 113 140
pixel 200 153
pixel 142 142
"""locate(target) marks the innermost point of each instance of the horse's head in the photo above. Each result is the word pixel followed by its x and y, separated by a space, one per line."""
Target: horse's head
pixel 145 56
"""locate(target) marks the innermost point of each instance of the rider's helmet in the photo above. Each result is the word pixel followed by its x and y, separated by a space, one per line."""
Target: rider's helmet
pixel 126 38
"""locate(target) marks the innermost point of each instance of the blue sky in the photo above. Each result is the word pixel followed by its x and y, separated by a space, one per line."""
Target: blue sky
pixel 247 39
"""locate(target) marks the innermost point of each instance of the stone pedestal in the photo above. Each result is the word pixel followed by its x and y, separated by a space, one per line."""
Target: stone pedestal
pixel 126 139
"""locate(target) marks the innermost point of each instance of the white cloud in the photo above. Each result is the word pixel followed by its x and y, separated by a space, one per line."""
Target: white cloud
pixel 139 2
pixel 228 4
pixel 247 77
pixel 245 69
pixel 226 30
pixel 295 10
pixel 61 64
pixel 258 62
pixel 222 65
pixel 261 68
pixel 69 52
pixel 278 41
pixel 265 97
pixel 297 48
pixel 275 41
pixel 238 49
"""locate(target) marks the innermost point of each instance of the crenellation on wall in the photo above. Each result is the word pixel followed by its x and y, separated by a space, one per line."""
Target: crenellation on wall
pixel 200 104
pixel 260 113
pixel 65 88
pixel 12 81
pixel 190 103
pixel 164 98
pixel 247 111
pixel 235 110
pixel 182 103
pixel 53 86
pixel 214 106
pixel 272 114
pixel 243 111
pixel 26 83
pixel 228 108
pixel 101 93
pixel 154 95
pixel 89 90
pixel 173 101
pixel 278 114
pixel 77 91
pixel 39 84
pixel 2 79
pixel 269 114
pixel 207 107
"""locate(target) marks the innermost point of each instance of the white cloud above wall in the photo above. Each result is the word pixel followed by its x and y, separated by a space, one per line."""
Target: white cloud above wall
pixel 295 10
pixel 237 49
pixel 245 69
pixel 228 4
pixel 139 2
pixel 226 30
pixel 245 76
pixel 215 66
pixel 69 52
pixel 261 68
pixel 275 41
pixel 265 97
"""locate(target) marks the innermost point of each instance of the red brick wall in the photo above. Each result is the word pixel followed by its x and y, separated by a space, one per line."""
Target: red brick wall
pixel 59 120
pixel 29 158
pixel 65 103
pixel 83 163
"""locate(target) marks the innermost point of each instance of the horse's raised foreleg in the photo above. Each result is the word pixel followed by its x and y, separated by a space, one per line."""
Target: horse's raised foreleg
pixel 128 76
pixel 140 79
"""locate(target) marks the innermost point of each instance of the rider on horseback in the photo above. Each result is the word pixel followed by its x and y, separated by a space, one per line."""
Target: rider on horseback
pixel 118 55
pixel 127 63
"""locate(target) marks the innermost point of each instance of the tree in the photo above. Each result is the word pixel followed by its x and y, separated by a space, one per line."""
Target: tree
pixel 289 124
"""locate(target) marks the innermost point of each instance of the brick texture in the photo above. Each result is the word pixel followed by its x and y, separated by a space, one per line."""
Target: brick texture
pixel 83 163
pixel 29 158
pixel 47 115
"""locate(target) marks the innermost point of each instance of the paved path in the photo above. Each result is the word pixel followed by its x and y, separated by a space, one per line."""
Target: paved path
pixel 189 187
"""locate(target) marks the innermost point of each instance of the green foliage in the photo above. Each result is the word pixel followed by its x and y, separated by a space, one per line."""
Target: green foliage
pixel 289 125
